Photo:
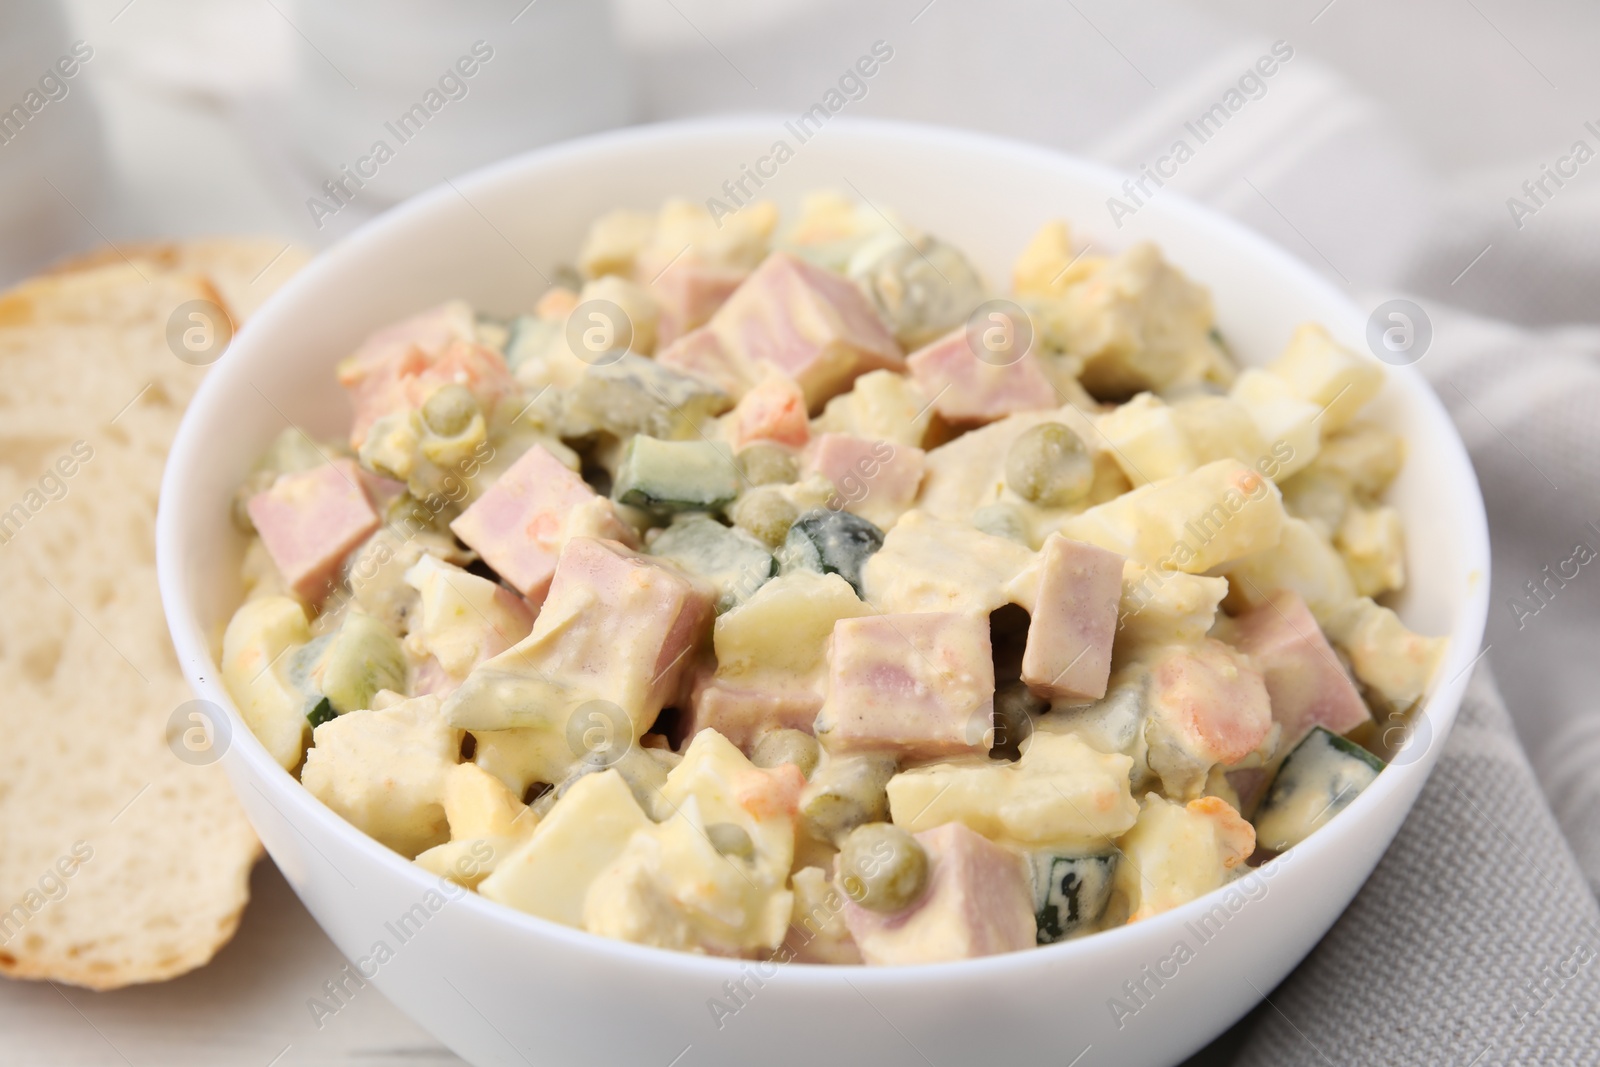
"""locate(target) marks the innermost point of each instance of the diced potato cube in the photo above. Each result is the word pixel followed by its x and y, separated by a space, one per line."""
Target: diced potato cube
pixel 258 635
pixel 1162 607
pixel 1219 513
pixel 1139 323
pixel 462 619
pixel 781 633
pixel 613 240
pixel 1365 455
pixel 1301 561
pixel 1336 379
pixel 477 804
pixel 384 771
pixel 1371 540
pixel 927 564
pixel 1390 660
pixel 882 405
pixel 1286 421
pixel 1176 853
pixel 584 833
pixel 1146 440
pixel 1061 793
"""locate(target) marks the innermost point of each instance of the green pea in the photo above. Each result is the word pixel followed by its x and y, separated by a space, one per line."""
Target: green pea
pixel 731 839
pixel 449 410
pixel 765 514
pixel 763 463
pixel 1049 466
pixel 777 747
pixel 882 868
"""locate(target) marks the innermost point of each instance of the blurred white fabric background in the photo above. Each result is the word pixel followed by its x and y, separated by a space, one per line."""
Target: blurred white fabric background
pixel 1384 153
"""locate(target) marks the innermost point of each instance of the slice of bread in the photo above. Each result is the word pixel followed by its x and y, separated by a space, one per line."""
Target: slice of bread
pixel 119 862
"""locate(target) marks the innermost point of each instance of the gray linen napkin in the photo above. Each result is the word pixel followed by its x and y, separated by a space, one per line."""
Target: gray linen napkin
pixel 1476 940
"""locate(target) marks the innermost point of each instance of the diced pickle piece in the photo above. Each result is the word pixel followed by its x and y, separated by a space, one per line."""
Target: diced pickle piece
pixel 675 475
pixel 1319 779
pixel 830 542
pixel 846 792
pixel 921 287
pixel 633 394
pixel 734 562
pixel 1069 893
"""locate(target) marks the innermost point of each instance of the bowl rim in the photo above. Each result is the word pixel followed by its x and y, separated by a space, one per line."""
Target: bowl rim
pixel 246 755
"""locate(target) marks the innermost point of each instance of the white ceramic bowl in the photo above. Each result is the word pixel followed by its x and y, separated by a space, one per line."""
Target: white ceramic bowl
pixel 498 986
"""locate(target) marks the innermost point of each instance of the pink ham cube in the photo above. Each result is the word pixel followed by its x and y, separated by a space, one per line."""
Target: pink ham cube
pixel 523 519
pixel 1307 683
pixel 919 685
pixel 397 368
pixel 978 902
pixel 1068 652
pixel 813 325
pixel 310 520
pixel 969 391
pixel 687 291
pixel 743 714
pixel 616 627
pixel 876 479
pixel 701 353
pixel 774 410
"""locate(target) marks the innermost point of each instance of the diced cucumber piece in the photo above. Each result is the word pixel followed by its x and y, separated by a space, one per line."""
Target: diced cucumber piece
pixel 734 562
pixel 1069 892
pixel 638 395
pixel 363 658
pixel 1317 780
pixel 322 712
pixel 832 542
pixel 675 475
pixel 345 669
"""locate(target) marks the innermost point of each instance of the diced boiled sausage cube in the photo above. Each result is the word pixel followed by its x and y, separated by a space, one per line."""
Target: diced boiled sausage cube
pixel 1074 619
pixel 310 520
pixel 687 291
pixel 969 391
pixel 616 626
pixel 523 519
pixel 978 902
pixel 875 479
pixel 921 685
pixel 1208 706
pixel 397 368
pixel 742 714
pixel 808 322
pixel 1307 683
pixel 700 352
